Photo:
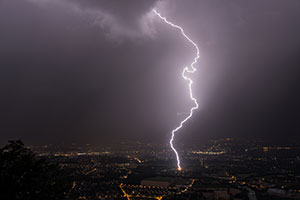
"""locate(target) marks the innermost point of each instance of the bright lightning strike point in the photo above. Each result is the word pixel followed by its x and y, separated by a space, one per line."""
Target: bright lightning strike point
pixel 190 69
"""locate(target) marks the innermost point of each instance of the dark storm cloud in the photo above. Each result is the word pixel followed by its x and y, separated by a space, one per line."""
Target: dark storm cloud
pixel 63 76
pixel 63 79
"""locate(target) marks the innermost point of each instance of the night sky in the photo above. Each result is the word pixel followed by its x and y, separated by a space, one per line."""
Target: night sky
pixel 94 71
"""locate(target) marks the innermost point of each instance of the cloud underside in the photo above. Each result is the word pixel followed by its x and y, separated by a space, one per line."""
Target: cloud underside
pixel 119 19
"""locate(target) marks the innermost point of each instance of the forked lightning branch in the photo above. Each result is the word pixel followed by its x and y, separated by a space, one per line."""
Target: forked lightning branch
pixel 187 70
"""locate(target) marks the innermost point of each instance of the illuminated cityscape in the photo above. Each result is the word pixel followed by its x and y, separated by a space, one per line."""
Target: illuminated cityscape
pixel 221 169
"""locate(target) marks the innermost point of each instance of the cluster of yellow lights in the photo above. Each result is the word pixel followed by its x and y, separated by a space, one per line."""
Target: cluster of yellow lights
pixel 128 196
pixel 209 152
pixel 276 148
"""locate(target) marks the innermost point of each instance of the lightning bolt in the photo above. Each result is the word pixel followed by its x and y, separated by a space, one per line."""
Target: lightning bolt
pixel 190 69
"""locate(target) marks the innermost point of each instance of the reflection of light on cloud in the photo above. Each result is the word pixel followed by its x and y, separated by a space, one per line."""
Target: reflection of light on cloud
pixel 115 26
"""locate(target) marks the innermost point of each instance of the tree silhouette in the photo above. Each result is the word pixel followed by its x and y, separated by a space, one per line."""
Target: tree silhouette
pixel 24 176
